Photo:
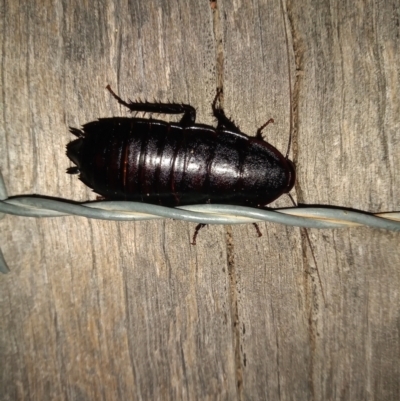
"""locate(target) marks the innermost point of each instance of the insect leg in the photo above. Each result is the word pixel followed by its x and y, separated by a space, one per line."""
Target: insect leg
pixel 259 131
pixel 196 231
pixel 72 170
pixel 257 229
pixel 189 113
pixel 219 114
pixel 75 131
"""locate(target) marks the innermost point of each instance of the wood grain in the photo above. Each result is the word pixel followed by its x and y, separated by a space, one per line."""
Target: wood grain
pixel 95 310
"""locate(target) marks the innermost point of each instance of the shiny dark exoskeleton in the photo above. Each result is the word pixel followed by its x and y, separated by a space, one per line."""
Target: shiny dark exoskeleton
pixel 183 163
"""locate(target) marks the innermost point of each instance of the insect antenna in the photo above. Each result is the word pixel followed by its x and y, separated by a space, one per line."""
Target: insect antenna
pixel 290 143
pixel 290 83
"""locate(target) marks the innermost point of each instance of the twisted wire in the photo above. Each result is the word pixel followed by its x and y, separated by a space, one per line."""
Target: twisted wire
pixel 309 217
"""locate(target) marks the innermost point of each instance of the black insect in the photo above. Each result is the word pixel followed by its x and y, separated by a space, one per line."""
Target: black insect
pixel 171 164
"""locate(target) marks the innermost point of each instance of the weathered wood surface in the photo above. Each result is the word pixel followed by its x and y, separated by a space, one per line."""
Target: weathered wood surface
pixel 97 310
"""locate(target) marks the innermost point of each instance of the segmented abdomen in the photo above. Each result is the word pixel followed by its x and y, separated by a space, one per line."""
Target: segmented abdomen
pixel 156 162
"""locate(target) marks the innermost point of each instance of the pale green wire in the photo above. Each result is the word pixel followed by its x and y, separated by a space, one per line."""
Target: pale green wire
pixel 310 217
pixel 3 195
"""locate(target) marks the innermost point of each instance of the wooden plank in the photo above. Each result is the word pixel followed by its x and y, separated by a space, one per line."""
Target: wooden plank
pixel 92 309
pixel 346 139
pixel 347 109
pixel 272 329
pixel 108 310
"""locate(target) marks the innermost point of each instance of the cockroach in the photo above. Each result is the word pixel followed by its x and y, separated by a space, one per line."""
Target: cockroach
pixel 174 164
pixel 184 163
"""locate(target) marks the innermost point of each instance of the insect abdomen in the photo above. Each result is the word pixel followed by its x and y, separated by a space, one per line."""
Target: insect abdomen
pixel 157 162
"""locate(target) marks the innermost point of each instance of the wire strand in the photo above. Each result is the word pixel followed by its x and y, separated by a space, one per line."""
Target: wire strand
pixel 309 217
